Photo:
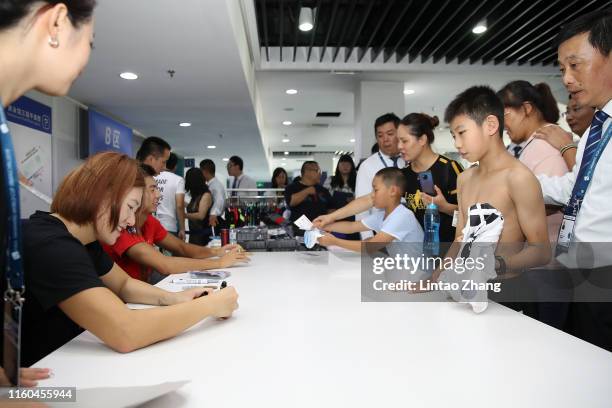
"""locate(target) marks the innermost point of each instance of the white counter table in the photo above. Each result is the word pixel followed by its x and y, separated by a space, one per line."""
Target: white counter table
pixel 303 338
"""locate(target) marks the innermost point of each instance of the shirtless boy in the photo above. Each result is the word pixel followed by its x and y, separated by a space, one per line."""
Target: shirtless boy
pixel 476 119
pixel 476 122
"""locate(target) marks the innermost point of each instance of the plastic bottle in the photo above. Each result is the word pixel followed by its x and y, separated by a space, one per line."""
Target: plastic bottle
pixel 431 243
pixel 232 235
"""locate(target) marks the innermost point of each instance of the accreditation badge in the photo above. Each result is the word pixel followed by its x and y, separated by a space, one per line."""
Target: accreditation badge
pixel 566 234
pixel 13 308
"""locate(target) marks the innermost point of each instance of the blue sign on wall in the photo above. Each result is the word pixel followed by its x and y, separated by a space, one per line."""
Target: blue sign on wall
pixel 27 112
pixel 105 134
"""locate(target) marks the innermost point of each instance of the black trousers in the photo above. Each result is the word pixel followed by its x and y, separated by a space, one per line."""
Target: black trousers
pixel 590 314
pixel 592 322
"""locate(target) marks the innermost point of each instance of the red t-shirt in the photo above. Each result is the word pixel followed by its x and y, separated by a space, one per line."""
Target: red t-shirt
pixel 152 233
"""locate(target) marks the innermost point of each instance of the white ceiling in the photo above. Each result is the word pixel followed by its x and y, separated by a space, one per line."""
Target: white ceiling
pixel 211 87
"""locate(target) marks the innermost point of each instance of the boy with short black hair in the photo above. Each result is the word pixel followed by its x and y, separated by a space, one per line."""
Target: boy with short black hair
pixel 392 221
pixel 500 184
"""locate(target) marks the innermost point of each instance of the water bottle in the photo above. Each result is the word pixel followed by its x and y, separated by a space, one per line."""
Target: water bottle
pixel 431 244
pixel 232 235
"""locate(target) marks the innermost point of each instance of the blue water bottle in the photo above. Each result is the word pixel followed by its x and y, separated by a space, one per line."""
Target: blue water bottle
pixel 431 244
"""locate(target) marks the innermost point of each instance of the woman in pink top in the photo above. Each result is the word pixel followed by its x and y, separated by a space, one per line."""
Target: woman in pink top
pixel 528 108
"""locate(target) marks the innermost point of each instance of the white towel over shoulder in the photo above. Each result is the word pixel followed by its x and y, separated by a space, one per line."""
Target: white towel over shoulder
pixel 480 237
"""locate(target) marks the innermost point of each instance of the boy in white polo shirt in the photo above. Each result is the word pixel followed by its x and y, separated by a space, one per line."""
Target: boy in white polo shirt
pixel 391 220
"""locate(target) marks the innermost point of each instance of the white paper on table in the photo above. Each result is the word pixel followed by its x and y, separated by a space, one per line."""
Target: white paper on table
pixel 303 223
pixel 105 397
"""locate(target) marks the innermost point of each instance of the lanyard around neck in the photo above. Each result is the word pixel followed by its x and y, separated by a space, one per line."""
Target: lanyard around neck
pixel 14 265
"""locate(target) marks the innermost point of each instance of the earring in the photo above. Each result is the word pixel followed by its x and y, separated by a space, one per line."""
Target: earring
pixel 54 42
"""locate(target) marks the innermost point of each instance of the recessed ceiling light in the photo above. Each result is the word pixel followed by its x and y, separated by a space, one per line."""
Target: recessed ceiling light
pixel 225 159
pixel 352 140
pixel 306 20
pixel 409 91
pixel 286 140
pixel 480 28
pixel 184 124
pixel 306 26
pixel 291 91
pixel 286 153
pixel 128 75
pixel 287 123
pixel 211 147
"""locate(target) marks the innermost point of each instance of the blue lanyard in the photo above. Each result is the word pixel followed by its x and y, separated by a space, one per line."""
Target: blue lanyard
pixel 383 160
pixel 14 265
pixel 585 174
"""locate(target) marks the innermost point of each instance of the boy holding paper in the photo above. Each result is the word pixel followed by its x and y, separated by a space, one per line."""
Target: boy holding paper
pixel 392 221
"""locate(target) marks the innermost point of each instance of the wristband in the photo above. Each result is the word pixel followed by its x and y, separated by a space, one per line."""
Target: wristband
pixel 502 266
pixel 566 148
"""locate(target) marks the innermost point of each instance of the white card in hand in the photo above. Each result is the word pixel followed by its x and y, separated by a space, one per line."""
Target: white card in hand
pixel 303 223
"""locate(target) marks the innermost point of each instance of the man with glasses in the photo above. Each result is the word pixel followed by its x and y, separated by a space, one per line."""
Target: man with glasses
pixel 307 196
pixel 240 180
pixel 585 61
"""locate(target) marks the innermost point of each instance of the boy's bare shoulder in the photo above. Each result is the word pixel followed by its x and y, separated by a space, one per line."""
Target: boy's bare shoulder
pixel 466 174
pixel 518 174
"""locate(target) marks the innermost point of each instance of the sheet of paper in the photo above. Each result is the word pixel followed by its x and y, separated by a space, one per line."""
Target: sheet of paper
pixel 105 397
pixel 303 223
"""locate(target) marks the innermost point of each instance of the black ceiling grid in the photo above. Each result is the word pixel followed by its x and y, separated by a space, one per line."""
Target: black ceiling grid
pixel 527 44
pixel 519 31
pixel 468 39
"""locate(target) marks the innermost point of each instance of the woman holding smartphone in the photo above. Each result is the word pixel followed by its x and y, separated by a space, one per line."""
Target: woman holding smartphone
pixel 430 177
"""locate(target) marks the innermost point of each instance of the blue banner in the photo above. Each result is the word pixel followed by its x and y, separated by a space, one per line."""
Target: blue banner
pixel 27 112
pixel 105 134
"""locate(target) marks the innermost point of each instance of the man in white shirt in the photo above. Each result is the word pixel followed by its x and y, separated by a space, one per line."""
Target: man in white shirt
pixel 385 128
pixel 239 179
pixel 216 189
pixel 154 151
pixel 585 61
pixel 171 209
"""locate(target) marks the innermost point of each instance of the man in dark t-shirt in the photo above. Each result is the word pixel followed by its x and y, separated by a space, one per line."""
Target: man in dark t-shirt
pixel 444 173
pixel 306 196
